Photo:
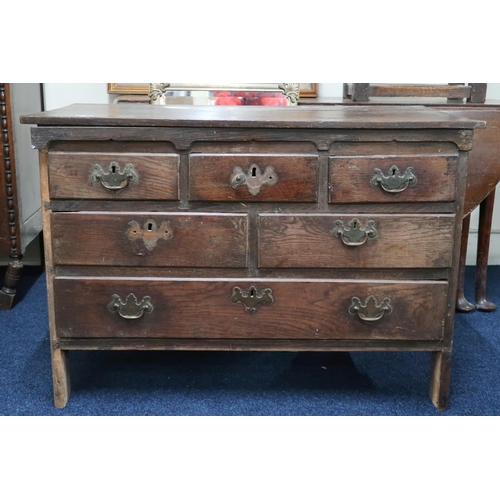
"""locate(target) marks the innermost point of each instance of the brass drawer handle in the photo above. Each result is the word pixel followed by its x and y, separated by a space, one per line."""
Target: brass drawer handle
pixel 113 179
pixel 394 182
pixel 370 311
pixel 254 179
pixel 252 298
pixel 150 232
pixel 131 308
pixel 354 236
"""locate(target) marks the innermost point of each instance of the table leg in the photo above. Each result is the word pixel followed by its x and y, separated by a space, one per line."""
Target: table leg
pixel 462 304
pixel 483 247
pixel 60 377
pixel 8 291
pixel 440 379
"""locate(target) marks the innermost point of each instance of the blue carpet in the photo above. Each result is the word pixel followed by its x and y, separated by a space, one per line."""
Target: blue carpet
pixel 244 383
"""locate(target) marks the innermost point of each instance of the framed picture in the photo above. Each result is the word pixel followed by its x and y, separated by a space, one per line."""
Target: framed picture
pixel 306 89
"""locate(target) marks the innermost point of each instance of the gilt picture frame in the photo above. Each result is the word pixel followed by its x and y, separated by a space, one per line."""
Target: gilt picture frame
pixel 305 89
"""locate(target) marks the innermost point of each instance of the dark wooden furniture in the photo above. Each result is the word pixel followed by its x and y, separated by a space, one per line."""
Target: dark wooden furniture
pixel 20 212
pixel 483 174
pixel 455 92
pixel 331 229
pixel 483 177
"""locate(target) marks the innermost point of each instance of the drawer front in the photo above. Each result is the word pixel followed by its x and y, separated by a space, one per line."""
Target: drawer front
pixel 234 177
pixel 327 309
pixel 392 179
pixel 356 241
pixel 149 239
pixel 114 176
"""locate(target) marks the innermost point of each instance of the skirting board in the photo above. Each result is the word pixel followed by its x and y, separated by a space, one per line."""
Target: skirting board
pixel 32 257
pixel 494 254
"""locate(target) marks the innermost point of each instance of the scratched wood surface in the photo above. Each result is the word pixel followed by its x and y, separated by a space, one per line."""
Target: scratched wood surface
pixel 350 178
pixel 210 177
pixel 149 239
pixel 422 241
pixel 71 175
pixel 202 309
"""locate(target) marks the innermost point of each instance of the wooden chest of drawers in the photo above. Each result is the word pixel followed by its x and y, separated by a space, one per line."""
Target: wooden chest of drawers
pixel 252 229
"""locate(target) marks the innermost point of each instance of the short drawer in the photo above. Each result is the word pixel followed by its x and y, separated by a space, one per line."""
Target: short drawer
pixel 113 176
pixel 244 177
pixel 149 239
pixel 239 309
pixel 380 179
pixel 356 241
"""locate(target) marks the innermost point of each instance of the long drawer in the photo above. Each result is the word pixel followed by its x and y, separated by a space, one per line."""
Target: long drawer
pixel 399 178
pixel 149 239
pixel 356 241
pixel 252 309
pixel 110 176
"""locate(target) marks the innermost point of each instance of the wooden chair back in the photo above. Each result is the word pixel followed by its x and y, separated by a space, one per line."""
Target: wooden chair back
pixel 454 92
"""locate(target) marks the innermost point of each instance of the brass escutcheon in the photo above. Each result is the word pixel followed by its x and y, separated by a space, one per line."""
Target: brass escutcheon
pixel 370 311
pixel 130 308
pixel 150 233
pixel 354 236
pixel 254 179
pixel 252 298
pixel 394 182
pixel 114 180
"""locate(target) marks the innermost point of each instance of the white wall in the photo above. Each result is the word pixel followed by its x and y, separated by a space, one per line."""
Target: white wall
pixel 57 95
pixel 63 94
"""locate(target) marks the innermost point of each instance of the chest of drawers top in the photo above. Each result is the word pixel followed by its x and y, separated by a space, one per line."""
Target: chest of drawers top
pixel 316 117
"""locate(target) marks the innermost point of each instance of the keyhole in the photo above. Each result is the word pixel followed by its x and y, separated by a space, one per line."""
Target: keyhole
pixel 113 169
pixel 252 293
pixel 150 226
pixel 254 171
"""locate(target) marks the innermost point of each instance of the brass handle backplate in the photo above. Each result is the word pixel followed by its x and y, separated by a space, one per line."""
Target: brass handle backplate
pixel 354 236
pixel 130 308
pixel 114 179
pixel 254 179
pixel 252 298
pixel 370 311
pixel 394 182
pixel 150 232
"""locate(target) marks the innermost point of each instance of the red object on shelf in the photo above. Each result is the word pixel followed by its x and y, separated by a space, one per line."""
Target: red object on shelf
pixel 229 101
pixel 227 98
pixel 273 101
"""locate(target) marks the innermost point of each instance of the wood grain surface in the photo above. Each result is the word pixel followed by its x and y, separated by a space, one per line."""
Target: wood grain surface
pixel 210 177
pixel 349 117
pixel 70 176
pixel 422 241
pixel 201 309
pixel 350 179
pixel 107 239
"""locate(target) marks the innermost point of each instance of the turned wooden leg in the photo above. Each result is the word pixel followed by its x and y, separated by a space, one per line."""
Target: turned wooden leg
pixel 483 248
pixel 60 377
pixel 8 292
pixel 462 304
pixel 440 379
